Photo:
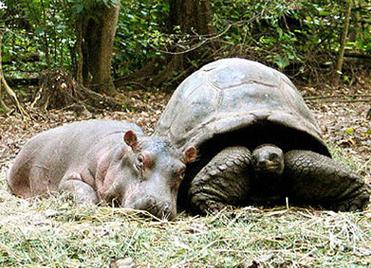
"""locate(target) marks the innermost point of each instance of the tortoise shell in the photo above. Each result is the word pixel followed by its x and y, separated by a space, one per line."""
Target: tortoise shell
pixel 238 101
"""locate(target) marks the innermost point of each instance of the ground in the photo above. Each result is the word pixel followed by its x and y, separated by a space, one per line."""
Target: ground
pixel 54 232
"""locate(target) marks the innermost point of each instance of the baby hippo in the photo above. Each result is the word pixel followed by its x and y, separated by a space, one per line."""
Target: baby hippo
pixel 102 161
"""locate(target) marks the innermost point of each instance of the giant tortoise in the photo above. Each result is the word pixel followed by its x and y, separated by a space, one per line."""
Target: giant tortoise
pixel 258 142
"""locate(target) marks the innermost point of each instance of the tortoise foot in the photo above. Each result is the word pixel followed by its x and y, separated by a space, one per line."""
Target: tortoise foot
pixel 211 207
pixel 223 181
pixel 316 179
pixel 357 202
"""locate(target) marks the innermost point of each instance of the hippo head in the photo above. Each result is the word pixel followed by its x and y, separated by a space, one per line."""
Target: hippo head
pixel 148 173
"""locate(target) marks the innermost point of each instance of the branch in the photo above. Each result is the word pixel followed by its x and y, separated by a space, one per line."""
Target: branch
pixel 197 45
pixel 8 89
pixel 209 37
pixel 339 98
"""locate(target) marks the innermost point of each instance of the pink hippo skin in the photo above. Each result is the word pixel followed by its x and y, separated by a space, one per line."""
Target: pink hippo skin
pixel 102 161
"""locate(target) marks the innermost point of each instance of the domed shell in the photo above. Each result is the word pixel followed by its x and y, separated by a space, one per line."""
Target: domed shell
pixel 232 94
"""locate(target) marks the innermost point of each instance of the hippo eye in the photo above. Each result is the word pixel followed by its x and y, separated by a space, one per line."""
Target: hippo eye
pixel 140 162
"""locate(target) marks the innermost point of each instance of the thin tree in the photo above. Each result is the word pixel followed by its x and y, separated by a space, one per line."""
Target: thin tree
pixel 7 88
pixel 344 35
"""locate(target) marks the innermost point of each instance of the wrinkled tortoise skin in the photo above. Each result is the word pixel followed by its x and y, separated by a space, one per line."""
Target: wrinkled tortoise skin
pixel 234 103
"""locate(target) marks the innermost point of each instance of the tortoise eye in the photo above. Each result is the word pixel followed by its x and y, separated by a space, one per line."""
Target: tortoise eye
pixel 273 156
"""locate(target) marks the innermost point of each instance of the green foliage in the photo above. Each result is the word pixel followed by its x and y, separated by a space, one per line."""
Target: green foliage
pixel 50 32
pixel 294 36
pixel 78 7
pixel 141 26
pixel 288 33
pixel 38 28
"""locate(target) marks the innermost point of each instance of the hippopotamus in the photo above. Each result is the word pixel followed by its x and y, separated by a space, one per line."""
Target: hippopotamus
pixel 102 161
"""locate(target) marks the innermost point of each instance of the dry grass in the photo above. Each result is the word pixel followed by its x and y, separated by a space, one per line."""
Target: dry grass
pixel 54 232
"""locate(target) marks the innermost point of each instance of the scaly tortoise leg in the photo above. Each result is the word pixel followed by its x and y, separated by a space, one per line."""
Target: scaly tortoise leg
pixel 223 181
pixel 319 180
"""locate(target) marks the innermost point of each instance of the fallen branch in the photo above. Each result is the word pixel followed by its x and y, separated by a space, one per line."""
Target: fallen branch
pixel 339 98
pixel 12 95
pixel 350 101
pixel 7 88
pixel 58 89
pixel 2 103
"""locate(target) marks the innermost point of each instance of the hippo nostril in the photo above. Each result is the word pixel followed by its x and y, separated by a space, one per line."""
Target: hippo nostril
pixel 160 209
pixel 167 211
pixel 166 206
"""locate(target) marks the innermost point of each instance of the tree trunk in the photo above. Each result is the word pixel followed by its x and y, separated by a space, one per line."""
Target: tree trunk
pixel 340 60
pixel 95 38
pixel 193 17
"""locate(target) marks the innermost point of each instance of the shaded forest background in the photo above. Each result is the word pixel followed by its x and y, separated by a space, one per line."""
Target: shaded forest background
pixel 55 52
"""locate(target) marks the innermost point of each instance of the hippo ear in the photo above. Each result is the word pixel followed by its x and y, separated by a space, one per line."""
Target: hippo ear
pixel 189 154
pixel 131 139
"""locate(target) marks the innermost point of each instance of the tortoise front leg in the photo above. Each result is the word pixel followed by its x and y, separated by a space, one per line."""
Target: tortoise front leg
pixel 319 180
pixel 223 181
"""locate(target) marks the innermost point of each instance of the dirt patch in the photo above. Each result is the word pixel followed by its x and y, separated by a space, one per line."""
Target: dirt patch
pixel 343 120
pixel 143 108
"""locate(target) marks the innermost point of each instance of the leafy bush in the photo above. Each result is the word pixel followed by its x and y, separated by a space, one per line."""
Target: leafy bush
pixel 289 33
pixel 141 27
pixel 299 37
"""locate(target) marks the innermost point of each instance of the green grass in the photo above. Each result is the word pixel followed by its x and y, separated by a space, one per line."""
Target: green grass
pixel 339 155
pixel 54 232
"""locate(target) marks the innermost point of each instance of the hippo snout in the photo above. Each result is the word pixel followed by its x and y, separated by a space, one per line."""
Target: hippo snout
pixel 160 209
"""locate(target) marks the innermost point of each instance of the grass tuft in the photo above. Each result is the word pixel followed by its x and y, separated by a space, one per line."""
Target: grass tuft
pixel 55 232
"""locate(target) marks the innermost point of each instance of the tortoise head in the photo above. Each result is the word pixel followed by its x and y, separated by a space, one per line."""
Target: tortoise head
pixel 268 159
